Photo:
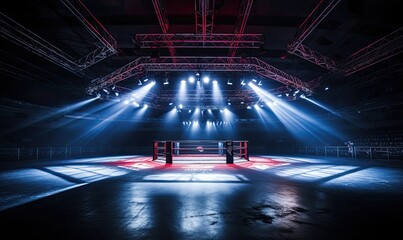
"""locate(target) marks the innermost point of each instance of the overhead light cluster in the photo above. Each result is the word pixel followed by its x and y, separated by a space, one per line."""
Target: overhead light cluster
pixel 198 89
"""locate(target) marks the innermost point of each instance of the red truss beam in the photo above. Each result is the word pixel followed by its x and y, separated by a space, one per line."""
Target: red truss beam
pixel 243 15
pixel 199 41
pixel 384 48
pixel 162 16
pixel 311 22
pixel 96 29
pixel 204 17
pixel 138 66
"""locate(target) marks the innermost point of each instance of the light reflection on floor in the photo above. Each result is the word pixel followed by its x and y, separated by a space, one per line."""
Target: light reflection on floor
pixel 193 177
pixel 25 185
pixel 313 172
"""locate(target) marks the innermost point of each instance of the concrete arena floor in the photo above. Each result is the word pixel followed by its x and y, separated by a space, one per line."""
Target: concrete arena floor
pixel 269 197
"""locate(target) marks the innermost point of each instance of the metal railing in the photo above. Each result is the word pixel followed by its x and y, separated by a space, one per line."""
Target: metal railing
pixel 48 153
pixel 368 152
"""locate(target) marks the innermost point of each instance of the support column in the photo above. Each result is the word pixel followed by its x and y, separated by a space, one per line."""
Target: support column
pixel 229 151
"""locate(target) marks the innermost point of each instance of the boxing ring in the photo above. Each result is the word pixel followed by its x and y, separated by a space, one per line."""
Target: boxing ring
pixel 200 151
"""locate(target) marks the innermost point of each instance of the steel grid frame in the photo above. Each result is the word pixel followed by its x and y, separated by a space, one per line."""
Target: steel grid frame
pixel 199 41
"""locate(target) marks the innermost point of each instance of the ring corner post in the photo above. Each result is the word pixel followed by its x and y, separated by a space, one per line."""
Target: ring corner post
pixel 229 152
pixel 246 150
pixel 155 150
pixel 168 151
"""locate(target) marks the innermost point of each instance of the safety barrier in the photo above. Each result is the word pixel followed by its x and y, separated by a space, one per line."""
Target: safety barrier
pixel 353 152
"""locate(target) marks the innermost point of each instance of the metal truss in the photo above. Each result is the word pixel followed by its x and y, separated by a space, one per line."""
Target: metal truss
pixel 138 66
pixel 243 15
pixel 315 57
pixel 384 48
pixel 315 17
pixel 95 28
pixel 133 68
pixel 16 33
pixel 199 41
pixel 162 16
pixel 311 22
pixel 204 17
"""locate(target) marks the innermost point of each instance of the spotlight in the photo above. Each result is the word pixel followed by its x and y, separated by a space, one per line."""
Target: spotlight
pixel 191 79
pixel 206 79
pixel 260 83
pixel 229 82
pixel 242 82
pixel 166 82
pixel 145 80
pixel 326 88
pixel 214 82
pixel 140 83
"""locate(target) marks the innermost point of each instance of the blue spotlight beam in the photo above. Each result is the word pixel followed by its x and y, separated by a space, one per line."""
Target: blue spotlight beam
pixel 298 123
pixel 54 112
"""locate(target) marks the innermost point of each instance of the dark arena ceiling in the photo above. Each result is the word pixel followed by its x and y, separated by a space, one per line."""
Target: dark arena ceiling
pixel 345 53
